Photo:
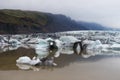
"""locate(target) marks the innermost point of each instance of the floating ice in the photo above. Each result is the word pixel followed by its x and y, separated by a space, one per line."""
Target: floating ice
pixel 115 47
pixel 42 45
pixel 49 39
pixel 27 60
pixel 94 45
pixel 23 60
pixel 42 48
pixel 42 52
pixel 59 43
pixel 68 39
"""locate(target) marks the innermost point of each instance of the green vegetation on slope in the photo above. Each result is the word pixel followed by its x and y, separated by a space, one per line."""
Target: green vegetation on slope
pixel 22 17
pixel 20 22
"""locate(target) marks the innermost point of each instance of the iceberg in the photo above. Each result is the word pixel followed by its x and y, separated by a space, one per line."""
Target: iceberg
pixel 42 49
pixel 42 53
pixel 14 42
pixel 49 39
pixel 68 39
pixel 94 45
pixel 89 53
pixel 59 43
pixel 42 45
pixel 27 60
pixel 64 50
pixel 115 47
pixel 23 60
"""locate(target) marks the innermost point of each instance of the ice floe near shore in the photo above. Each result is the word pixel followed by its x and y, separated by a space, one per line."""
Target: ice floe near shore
pixel 65 42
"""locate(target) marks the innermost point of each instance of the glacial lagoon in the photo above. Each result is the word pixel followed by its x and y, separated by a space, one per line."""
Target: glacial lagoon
pixel 100 60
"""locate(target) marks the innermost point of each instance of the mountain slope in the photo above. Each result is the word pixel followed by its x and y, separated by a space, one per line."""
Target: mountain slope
pixel 17 21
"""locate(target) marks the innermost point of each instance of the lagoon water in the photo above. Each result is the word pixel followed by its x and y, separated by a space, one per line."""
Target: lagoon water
pixel 69 66
pixel 87 65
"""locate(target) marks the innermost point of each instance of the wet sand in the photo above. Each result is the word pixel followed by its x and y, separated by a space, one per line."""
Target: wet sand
pixel 104 69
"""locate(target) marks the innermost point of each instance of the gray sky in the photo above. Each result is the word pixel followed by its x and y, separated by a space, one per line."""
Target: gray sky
pixel 105 12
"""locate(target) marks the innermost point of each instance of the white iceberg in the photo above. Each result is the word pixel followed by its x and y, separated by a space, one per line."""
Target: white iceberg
pixel 41 54
pixel 115 47
pixel 87 42
pixel 94 45
pixel 23 60
pixel 27 60
pixel 59 43
pixel 49 39
pixel 68 39
pixel 35 41
pixel 14 42
pixel 42 44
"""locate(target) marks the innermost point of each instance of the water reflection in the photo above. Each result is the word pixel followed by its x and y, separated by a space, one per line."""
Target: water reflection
pixel 27 67
pixel 63 56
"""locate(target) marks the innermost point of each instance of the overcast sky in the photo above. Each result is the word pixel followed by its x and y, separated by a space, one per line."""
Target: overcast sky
pixel 105 12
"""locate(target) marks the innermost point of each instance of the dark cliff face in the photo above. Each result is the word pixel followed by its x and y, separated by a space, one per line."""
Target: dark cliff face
pixel 19 22
pixel 7 28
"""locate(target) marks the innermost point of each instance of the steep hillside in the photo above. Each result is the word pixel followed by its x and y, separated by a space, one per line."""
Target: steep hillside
pixel 17 21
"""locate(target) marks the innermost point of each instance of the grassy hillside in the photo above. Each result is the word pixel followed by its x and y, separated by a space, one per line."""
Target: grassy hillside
pixel 18 21
pixel 21 21
pixel 22 17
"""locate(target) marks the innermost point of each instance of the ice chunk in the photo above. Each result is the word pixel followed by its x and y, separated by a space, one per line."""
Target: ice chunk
pixel 27 60
pixel 42 44
pixel 115 47
pixel 68 39
pixel 23 60
pixel 58 43
pixel 49 39
pixel 14 41
pixel 95 45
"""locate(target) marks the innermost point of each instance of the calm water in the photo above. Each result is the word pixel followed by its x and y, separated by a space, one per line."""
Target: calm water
pixel 86 65
pixel 104 66
pixel 8 59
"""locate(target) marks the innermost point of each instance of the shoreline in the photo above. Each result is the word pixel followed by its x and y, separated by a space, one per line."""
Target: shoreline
pixel 105 69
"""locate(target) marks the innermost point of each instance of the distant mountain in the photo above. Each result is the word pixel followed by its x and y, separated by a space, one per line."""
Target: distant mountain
pixel 94 26
pixel 18 21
